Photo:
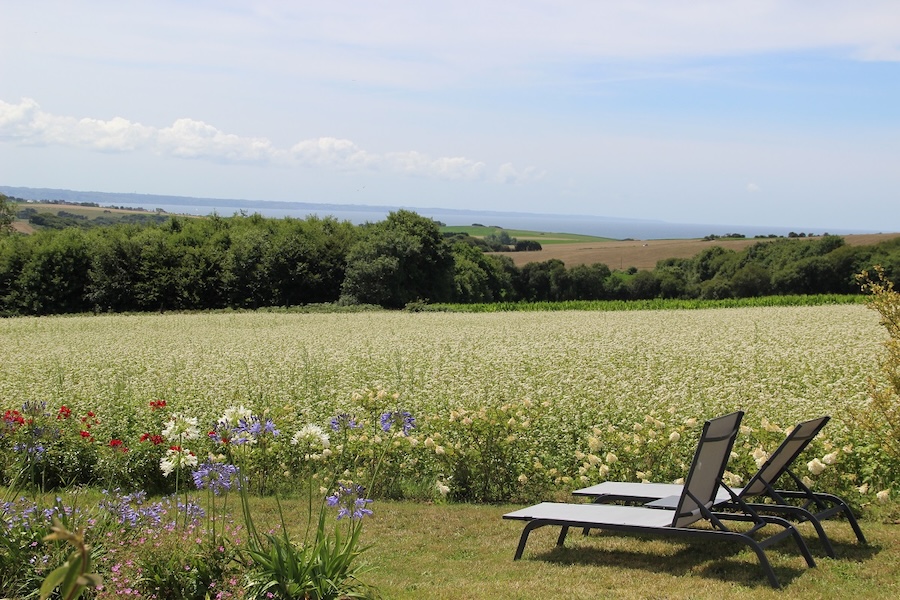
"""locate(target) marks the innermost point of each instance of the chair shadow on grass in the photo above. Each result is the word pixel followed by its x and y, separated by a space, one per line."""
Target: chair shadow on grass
pixel 846 551
pixel 712 560
pixel 717 561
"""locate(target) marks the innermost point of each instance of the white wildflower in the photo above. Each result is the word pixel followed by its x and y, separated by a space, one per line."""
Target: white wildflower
pixel 180 427
pixel 313 435
pixel 232 416
pixel 176 458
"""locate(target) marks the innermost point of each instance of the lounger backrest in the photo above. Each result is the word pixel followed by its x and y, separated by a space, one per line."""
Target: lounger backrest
pixel 707 468
pixel 783 456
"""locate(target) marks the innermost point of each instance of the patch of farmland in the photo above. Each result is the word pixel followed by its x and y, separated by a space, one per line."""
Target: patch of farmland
pixel 644 254
pixel 784 363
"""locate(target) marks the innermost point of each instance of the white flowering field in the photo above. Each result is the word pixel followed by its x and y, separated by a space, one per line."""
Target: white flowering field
pixel 576 382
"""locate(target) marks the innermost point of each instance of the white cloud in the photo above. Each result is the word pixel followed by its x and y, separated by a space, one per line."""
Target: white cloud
pixel 26 123
pixel 332 152
pixel 752 188
pixel 416 163
pixel 187 138
pixel 507 173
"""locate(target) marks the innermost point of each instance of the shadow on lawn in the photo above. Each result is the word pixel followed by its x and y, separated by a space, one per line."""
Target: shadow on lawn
pixel 718 561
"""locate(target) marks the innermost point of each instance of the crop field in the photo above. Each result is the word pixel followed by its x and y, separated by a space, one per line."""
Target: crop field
pixel 574 384
pixel 784 362
pixel 644 254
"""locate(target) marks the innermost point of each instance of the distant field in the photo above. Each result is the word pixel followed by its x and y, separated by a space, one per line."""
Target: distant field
pixel 89 212
pixel 520 234
pixel 644 254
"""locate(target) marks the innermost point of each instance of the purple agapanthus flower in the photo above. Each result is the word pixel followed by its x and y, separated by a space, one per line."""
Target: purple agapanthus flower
pixel 216 477
pixel 254 428
pixel 402 419
pixel 343 421
pixel 132 509
pixel 350 501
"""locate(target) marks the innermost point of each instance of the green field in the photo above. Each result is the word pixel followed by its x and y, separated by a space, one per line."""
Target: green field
pixel 541 236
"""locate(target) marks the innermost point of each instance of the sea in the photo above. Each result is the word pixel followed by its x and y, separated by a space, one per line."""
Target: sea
pixel 593 225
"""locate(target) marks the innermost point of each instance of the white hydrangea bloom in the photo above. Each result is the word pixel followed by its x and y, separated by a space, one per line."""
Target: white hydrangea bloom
pixel 815 466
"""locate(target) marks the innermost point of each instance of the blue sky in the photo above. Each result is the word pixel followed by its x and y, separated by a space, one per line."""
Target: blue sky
pixel 739 112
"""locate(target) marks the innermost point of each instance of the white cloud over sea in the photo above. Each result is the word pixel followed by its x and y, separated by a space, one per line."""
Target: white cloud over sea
pixel 26 123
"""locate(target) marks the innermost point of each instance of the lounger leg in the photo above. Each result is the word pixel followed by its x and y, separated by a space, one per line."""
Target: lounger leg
pixel 838 505
pixel 804 549
pixel 562 535
pixel 523 539
pixel 764 562
pixel 848 512
pixel 829 550
pixel 855 526
pixel 801 515
pixel 532 525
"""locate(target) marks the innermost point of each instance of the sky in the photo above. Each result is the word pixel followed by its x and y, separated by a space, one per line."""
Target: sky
pixel 745 112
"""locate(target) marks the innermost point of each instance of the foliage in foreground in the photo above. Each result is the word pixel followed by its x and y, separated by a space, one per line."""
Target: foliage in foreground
pixel 881 416
pixel 196 547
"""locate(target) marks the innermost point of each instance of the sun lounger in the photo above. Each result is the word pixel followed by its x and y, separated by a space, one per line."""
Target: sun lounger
pixel 799 505
pixel 693 506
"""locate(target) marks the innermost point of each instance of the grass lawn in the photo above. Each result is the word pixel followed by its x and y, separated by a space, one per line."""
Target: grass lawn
pixel 465 551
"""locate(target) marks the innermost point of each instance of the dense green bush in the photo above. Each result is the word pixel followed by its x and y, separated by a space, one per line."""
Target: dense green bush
pixel 250 262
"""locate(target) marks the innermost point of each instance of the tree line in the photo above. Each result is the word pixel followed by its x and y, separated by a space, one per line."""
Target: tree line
pixel 248 262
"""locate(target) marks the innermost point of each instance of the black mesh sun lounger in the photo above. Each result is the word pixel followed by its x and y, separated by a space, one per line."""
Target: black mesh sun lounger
pixel 694 506
pixel 800 505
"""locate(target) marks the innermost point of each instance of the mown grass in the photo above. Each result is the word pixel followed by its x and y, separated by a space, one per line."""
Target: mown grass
pixel 454 551
pixel 465 551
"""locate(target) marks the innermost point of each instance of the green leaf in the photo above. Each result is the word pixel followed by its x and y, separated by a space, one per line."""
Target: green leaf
pixel 53 580
pixel 73 570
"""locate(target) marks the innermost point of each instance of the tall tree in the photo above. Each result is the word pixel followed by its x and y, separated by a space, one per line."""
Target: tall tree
pixel 399 260
pixel 7 214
